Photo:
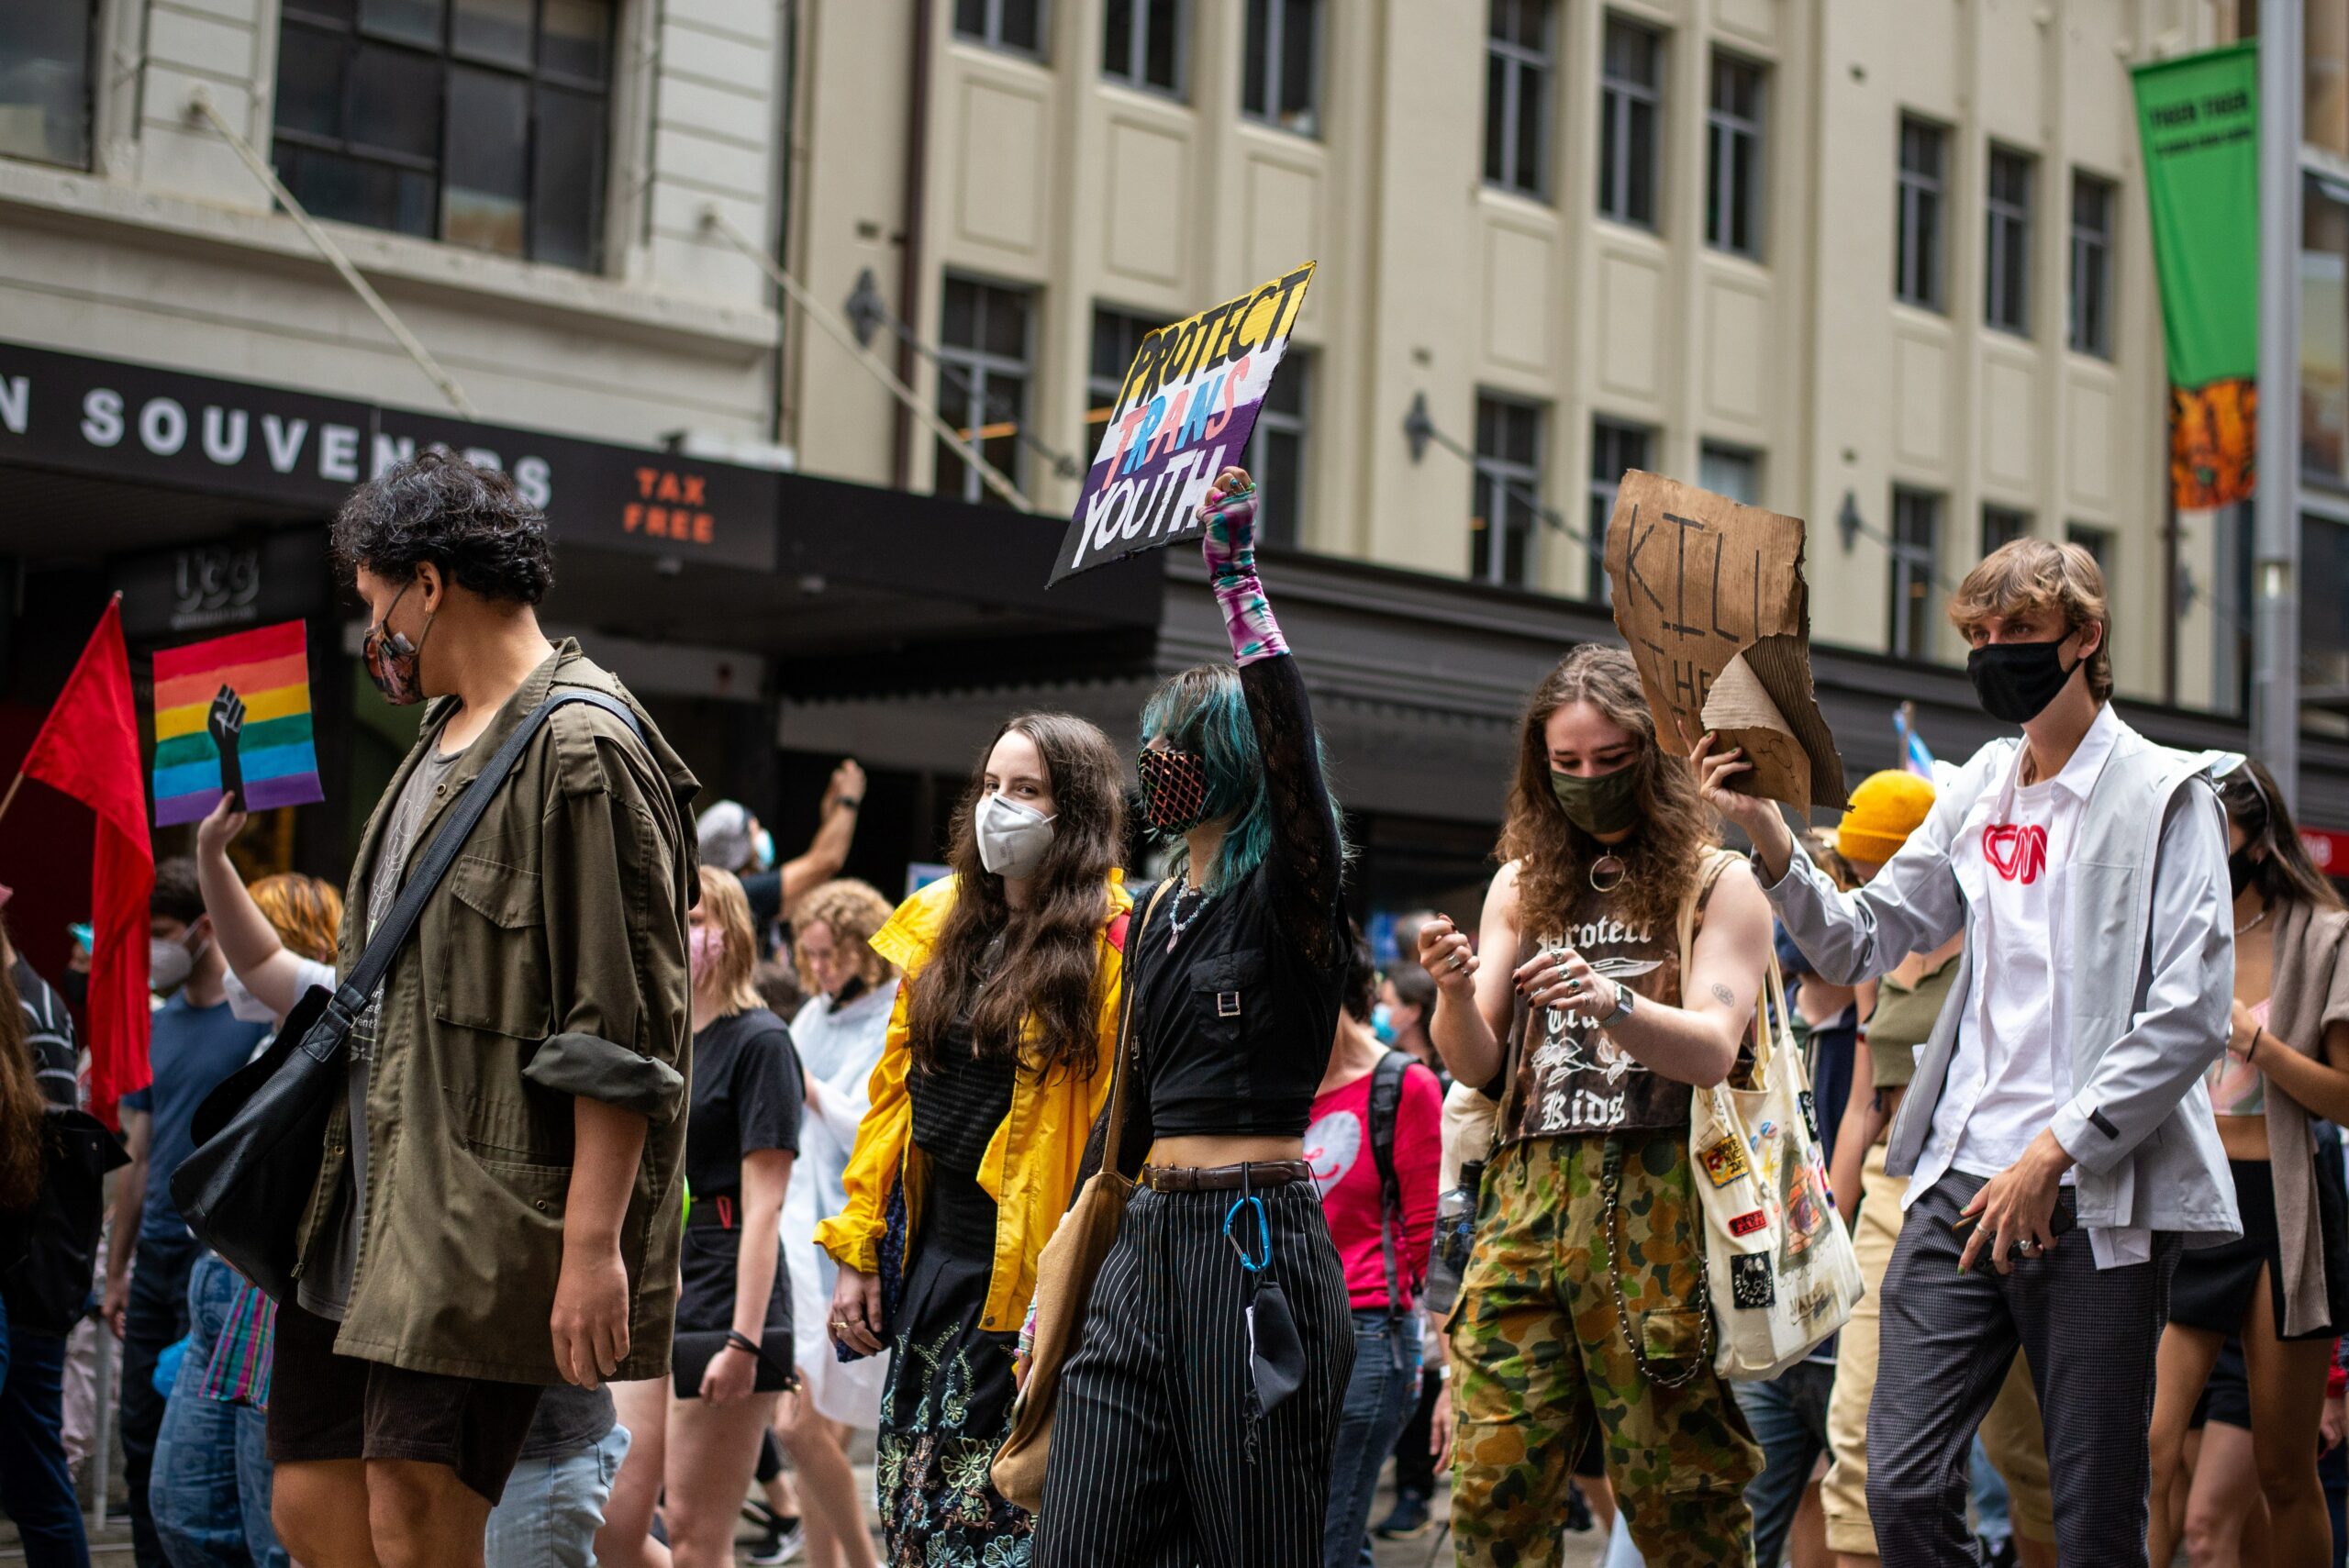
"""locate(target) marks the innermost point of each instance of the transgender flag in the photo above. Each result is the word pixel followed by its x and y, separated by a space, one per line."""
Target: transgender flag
pixel 1915 757
pixel 249 694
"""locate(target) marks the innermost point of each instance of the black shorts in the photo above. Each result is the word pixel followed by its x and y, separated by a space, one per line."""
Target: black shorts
pixel 327 1407
pixel 2226 1398
pixel 2215 1287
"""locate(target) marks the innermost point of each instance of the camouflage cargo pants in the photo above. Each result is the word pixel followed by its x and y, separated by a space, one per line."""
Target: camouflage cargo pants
pixel 1539 1351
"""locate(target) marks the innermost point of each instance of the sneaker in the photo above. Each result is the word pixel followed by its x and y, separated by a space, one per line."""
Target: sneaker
pixel 782 1543
pixel 1407 1522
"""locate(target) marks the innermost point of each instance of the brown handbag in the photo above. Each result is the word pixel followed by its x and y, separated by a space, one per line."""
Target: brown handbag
pixel 1065 1275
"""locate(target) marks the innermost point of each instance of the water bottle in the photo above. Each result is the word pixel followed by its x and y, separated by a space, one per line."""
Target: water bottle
pixel 1456 1233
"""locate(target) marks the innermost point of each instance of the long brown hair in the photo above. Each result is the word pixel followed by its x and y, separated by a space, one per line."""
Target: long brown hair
pixel 1050 970
pixel 1665 853
pixel 24 1138
pixel 2249 794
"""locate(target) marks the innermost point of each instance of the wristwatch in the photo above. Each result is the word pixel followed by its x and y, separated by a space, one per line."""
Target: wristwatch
pixel 1624 997
pixel 849 801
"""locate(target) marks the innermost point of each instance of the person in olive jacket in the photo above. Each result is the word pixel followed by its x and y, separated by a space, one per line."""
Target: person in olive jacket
pixel 497 1209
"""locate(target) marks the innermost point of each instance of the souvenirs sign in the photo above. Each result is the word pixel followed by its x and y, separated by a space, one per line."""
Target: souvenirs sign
pixel 1183 413
pixel 1710 596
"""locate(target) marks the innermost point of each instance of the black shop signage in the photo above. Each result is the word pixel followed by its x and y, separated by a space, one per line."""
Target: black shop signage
pixel 297 449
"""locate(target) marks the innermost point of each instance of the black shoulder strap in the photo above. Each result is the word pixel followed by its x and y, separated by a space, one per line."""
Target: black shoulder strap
pixel 1385 1102
pixel 351 996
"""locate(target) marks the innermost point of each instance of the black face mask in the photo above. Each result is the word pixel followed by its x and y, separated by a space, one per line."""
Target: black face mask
pixel 2016 680
pixel 2242 870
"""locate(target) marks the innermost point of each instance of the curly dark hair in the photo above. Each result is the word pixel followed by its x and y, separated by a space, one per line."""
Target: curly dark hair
pixel 1048 986
pixel 468 521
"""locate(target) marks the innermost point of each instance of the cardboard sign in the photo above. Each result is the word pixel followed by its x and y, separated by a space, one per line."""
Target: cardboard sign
pixel 1184 412
pixel 1709 594
pixel 234 713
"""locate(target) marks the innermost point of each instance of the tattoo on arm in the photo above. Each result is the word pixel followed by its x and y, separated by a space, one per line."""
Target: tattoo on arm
pixel 1723 995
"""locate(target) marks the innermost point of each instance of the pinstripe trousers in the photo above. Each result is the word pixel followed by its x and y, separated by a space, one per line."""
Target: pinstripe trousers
pixel 1157 1459
pixel 1947 1339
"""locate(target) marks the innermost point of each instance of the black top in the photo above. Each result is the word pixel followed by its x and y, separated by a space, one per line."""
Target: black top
pixel 49 1034
pixel 1232 1029
pixel 747 1094
pixel 958 1106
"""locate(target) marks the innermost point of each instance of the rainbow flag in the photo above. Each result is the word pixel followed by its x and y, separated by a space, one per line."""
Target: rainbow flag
pixel 268 668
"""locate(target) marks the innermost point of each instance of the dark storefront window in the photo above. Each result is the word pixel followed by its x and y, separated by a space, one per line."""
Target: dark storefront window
pixel 983 373
pixel 45 81
pixel 2324 617
pixel 477 122
pixel 1280 81
pixel 1504 489
pixel 2324 330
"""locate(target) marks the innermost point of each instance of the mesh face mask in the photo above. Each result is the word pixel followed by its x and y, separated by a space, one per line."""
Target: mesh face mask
pixel 1174 790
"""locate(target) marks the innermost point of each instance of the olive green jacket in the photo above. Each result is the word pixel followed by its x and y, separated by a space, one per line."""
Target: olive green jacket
pixel 549 964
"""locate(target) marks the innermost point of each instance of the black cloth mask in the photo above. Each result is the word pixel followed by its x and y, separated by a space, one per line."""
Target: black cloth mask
pixel 2016 680
pixel 2242 870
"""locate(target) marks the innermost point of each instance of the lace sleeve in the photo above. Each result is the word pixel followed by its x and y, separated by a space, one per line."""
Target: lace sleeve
pixel 1305 862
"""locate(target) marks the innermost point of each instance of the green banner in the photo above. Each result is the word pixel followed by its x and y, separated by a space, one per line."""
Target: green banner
pixel 2199 117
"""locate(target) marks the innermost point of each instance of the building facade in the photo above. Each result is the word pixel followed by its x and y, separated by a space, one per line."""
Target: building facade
pixel 1884 267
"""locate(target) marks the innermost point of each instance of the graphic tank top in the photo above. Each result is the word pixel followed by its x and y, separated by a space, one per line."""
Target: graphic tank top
pixel 1571 1077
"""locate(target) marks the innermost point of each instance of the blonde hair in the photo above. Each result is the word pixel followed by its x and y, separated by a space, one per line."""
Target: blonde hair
pixel 306 913
pixel 851 910
pixel 2040 574
pixel 728 909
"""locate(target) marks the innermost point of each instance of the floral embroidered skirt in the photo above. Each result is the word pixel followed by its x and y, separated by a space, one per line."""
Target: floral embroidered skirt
pixel 948 1403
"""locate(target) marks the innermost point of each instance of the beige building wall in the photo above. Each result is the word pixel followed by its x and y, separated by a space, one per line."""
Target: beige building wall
pixel 1039 173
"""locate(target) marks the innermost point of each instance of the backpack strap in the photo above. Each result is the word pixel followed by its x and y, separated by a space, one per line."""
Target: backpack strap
pixel 1385 1104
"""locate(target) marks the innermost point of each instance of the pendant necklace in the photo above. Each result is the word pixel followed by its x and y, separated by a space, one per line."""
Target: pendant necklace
pixel 1176 922
pixel 1606 873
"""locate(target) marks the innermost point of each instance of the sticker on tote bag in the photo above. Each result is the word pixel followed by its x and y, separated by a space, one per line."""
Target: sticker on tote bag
pixel 1752 1282
pixel 1747 1224
pixel 1724 1162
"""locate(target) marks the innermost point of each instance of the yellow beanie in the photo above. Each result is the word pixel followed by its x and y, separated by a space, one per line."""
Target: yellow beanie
pixel 1883 812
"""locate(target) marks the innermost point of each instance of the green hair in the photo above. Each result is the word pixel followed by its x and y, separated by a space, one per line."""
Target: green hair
pixel 1204 711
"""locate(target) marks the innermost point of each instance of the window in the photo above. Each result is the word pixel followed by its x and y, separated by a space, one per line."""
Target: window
pixel 1116 339
pixel 477 122
pixel 45 81
pixel 1505 490
pixel 2003 526
pixel 1725 471
pixel 2006 266
pixel 1282 81
pixel 1734 158
pixel 1630 88
pixel 1917 261
pixel 2324 330
pixel 1916 548
pixel 2098 542
pixel 1613 448
pixel 1016 25
pixel 1143 43
pixel 1277 451
pixel 982 382
pixel 2090 330
pixel 1517 68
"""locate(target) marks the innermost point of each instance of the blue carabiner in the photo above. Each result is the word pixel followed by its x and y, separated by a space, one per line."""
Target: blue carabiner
pixel 1263 1232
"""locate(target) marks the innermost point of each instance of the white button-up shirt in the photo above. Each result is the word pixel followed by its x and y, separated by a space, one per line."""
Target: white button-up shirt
pixel 2012 1069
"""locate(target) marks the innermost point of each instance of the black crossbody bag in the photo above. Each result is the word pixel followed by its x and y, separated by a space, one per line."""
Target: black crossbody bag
pixel 259 1135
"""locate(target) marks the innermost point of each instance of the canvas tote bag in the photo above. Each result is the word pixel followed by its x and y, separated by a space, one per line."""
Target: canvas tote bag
pixel 1065 1275
pixel 1778 1262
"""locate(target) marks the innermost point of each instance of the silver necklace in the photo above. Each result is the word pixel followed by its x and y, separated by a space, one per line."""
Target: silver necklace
pixel 2254 920
pixel 1176 922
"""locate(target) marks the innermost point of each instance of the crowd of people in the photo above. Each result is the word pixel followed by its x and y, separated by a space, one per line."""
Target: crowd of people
pixel 665 1177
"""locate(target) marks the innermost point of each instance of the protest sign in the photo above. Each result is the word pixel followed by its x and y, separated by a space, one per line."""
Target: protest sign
pixel 1182 412
pixel 1710 596
pixel 233 713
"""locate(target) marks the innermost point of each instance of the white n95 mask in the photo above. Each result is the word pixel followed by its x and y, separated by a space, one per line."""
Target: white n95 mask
pixel 1012 837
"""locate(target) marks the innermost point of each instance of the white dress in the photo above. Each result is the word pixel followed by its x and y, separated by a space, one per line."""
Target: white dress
pixel 840 1047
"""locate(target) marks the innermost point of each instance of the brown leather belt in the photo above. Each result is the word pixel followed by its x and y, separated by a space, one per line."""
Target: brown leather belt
pixel 1224 1178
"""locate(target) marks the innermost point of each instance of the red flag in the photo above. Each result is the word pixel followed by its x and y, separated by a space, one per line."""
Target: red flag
pixel 88 748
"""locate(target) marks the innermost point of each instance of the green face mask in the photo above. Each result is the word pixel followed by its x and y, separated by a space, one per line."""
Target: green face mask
pixel 1607 803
